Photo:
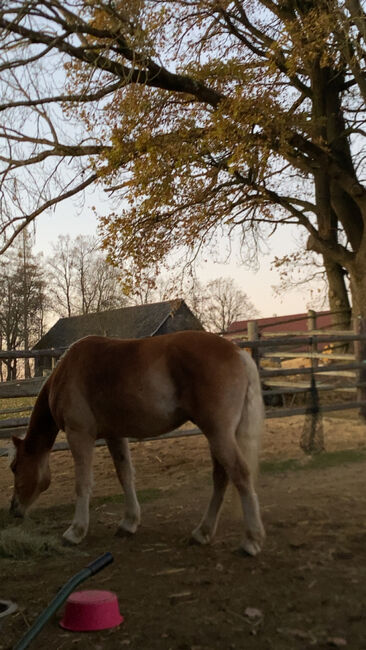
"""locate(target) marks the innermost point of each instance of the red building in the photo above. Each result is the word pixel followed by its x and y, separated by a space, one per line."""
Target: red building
pixel 293 323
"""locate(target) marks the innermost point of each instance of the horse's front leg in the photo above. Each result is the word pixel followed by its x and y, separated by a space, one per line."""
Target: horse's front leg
pixel 82 447
pixel 119 450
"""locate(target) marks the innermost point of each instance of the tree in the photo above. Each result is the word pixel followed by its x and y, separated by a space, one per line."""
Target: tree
pixel 225 303
pixel 61 271
pixel 304 272
pixel 202 115
pixel 216 303
pixel 80 279
pixel 23 302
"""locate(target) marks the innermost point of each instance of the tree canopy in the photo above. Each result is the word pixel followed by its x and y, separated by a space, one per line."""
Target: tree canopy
pixel 194 116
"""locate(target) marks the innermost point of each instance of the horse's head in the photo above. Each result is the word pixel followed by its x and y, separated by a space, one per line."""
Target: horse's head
pixel 31 476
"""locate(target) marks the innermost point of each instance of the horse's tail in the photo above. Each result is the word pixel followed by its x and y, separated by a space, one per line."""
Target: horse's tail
pixel 249 431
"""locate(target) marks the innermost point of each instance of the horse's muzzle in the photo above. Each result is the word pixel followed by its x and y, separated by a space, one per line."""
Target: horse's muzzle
pixel 15 509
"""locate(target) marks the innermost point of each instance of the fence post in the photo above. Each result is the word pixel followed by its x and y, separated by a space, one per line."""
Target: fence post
pixel 253 335
pixel 311 321
pixel 360 354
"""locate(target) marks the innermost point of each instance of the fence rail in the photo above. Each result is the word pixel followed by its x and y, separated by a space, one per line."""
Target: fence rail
pixel 270 346
pixel 342 379
pixel 31 354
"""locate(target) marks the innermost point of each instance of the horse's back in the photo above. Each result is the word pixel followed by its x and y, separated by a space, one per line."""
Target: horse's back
pixel 147 386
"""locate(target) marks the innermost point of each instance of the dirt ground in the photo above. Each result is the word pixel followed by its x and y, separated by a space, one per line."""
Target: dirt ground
pixel 307 589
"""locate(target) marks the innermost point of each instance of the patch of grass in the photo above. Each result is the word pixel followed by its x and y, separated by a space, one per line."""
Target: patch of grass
pixel 279 466
pixel 334 458
pixel 319 461
pixel 20 543
pixel 144 496
pixel 30 538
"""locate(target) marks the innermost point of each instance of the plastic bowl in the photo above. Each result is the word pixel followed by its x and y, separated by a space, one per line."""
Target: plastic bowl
pixel 91 610
pixel 6 608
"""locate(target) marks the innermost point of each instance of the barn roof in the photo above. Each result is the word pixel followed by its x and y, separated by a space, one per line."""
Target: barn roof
pixel 128 322
pixel 290 323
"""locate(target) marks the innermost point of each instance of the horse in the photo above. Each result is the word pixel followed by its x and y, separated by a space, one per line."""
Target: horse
pixel 118 388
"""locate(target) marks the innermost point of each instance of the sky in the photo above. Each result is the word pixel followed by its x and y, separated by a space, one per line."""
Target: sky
pixel 258 286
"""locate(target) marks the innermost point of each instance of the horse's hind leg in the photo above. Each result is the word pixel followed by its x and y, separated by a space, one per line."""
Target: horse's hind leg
pixel 206 530
pixel 82 447
pixel 240 475
pixel 119 450
pixel 229 456
pixel 254 533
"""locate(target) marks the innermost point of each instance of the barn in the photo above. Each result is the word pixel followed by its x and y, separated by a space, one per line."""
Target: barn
pixel 150 319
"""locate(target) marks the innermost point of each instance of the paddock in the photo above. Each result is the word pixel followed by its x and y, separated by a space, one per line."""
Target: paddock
pixel 306 589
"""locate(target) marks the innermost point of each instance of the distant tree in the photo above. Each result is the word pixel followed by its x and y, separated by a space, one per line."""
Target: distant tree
pixel 106 291
pixel 86 275
pixel 160 287
pixel 215 303
pixel 23 302
pixel 81 281
pixel 61 271
pixel 222 302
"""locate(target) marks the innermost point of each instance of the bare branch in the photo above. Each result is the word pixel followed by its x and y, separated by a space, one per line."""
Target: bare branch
pixel 46 206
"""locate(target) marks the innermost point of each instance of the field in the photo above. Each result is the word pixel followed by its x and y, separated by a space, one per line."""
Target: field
pixel 306 589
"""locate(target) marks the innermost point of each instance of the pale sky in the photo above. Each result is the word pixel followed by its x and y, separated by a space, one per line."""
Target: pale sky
pixel 257 285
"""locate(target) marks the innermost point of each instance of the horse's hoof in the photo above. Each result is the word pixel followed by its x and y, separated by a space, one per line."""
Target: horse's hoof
pixel 122 532
pixel 71 537
pixel 127 527
pixel 249 547
pixel 198 537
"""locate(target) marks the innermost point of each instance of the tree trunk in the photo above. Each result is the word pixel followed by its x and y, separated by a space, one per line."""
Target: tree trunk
pixel 339 303
pixel 358 291
pixel 11 369
pixel 331 201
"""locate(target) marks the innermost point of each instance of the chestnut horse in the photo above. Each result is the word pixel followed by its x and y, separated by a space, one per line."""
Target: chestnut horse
pixel 114 388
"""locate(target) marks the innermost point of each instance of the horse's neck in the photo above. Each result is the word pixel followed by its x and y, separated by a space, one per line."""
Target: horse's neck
pixel 42 429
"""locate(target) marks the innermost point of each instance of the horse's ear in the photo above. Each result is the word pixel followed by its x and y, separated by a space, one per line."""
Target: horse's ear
pixel 16 441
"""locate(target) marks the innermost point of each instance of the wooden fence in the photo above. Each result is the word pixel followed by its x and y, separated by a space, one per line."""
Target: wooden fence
pixel 343 377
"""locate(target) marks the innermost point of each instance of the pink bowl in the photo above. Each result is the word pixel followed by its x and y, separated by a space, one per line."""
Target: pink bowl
pixel 86 611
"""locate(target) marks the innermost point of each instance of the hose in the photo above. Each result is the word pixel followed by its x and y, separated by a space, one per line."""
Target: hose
pixel 90 570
